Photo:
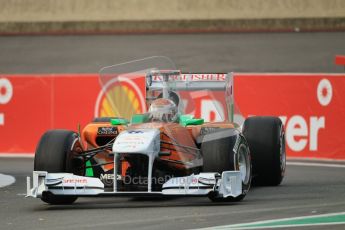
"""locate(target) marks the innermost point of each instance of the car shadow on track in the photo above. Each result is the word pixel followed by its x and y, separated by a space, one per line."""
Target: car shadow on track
pixel 257 195
pixel 133 203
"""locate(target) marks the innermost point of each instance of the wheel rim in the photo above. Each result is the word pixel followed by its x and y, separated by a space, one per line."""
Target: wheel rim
pixel 244 164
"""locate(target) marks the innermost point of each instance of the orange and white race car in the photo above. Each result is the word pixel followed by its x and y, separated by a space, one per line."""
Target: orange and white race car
pixel 163 150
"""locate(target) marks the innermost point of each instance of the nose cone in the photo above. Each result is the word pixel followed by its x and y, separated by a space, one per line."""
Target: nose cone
pixel 145 141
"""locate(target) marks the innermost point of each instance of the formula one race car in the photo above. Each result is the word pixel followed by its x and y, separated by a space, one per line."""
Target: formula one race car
pixel 151 141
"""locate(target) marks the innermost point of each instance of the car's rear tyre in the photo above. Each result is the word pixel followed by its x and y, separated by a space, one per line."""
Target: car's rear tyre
pixel 227 150
pixel 266 139
pixel 57 152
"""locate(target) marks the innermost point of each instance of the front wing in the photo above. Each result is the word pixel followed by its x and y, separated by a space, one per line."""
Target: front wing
pixel 229 183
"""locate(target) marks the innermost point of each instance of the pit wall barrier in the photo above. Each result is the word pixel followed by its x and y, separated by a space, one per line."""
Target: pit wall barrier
pixel 137 10
pixel 311 106
pixel 133 16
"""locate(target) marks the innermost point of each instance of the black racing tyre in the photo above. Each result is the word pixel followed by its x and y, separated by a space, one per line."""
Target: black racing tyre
pixel 103 119
pixel 227 150
pixel 57 152
pixel 266 139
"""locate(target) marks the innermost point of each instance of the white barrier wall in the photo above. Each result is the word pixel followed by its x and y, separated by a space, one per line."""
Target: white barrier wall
pixel 119 10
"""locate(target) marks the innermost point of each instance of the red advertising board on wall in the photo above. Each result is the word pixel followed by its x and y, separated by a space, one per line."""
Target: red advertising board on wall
pixel 311 106
pixel 41 102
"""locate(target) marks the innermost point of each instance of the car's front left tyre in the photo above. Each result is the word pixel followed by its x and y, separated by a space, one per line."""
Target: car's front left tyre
pixel 227 150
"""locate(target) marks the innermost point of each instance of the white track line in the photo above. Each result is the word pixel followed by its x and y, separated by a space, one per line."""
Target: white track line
pixel 315 164
pixel 272 227
pixel 6 180
pixel 17 155
pixel 314 159
pixel 251 224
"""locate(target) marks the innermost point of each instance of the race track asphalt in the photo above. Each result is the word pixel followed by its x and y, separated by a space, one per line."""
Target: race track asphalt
pixel 306 190
pixel 251 52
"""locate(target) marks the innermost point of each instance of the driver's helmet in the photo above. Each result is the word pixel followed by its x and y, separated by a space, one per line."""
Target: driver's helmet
pixel 164 110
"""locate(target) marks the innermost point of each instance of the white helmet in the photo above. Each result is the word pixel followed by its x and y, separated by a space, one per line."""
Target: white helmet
pixel 163 110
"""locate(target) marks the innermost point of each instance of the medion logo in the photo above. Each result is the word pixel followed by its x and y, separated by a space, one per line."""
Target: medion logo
pixel 109 176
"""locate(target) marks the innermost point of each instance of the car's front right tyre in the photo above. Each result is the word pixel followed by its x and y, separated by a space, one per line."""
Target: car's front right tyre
pixel 57 152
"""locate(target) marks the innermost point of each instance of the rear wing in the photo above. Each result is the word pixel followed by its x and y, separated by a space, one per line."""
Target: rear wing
pixel 142 78
pixel 191 81
pixel 174 80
